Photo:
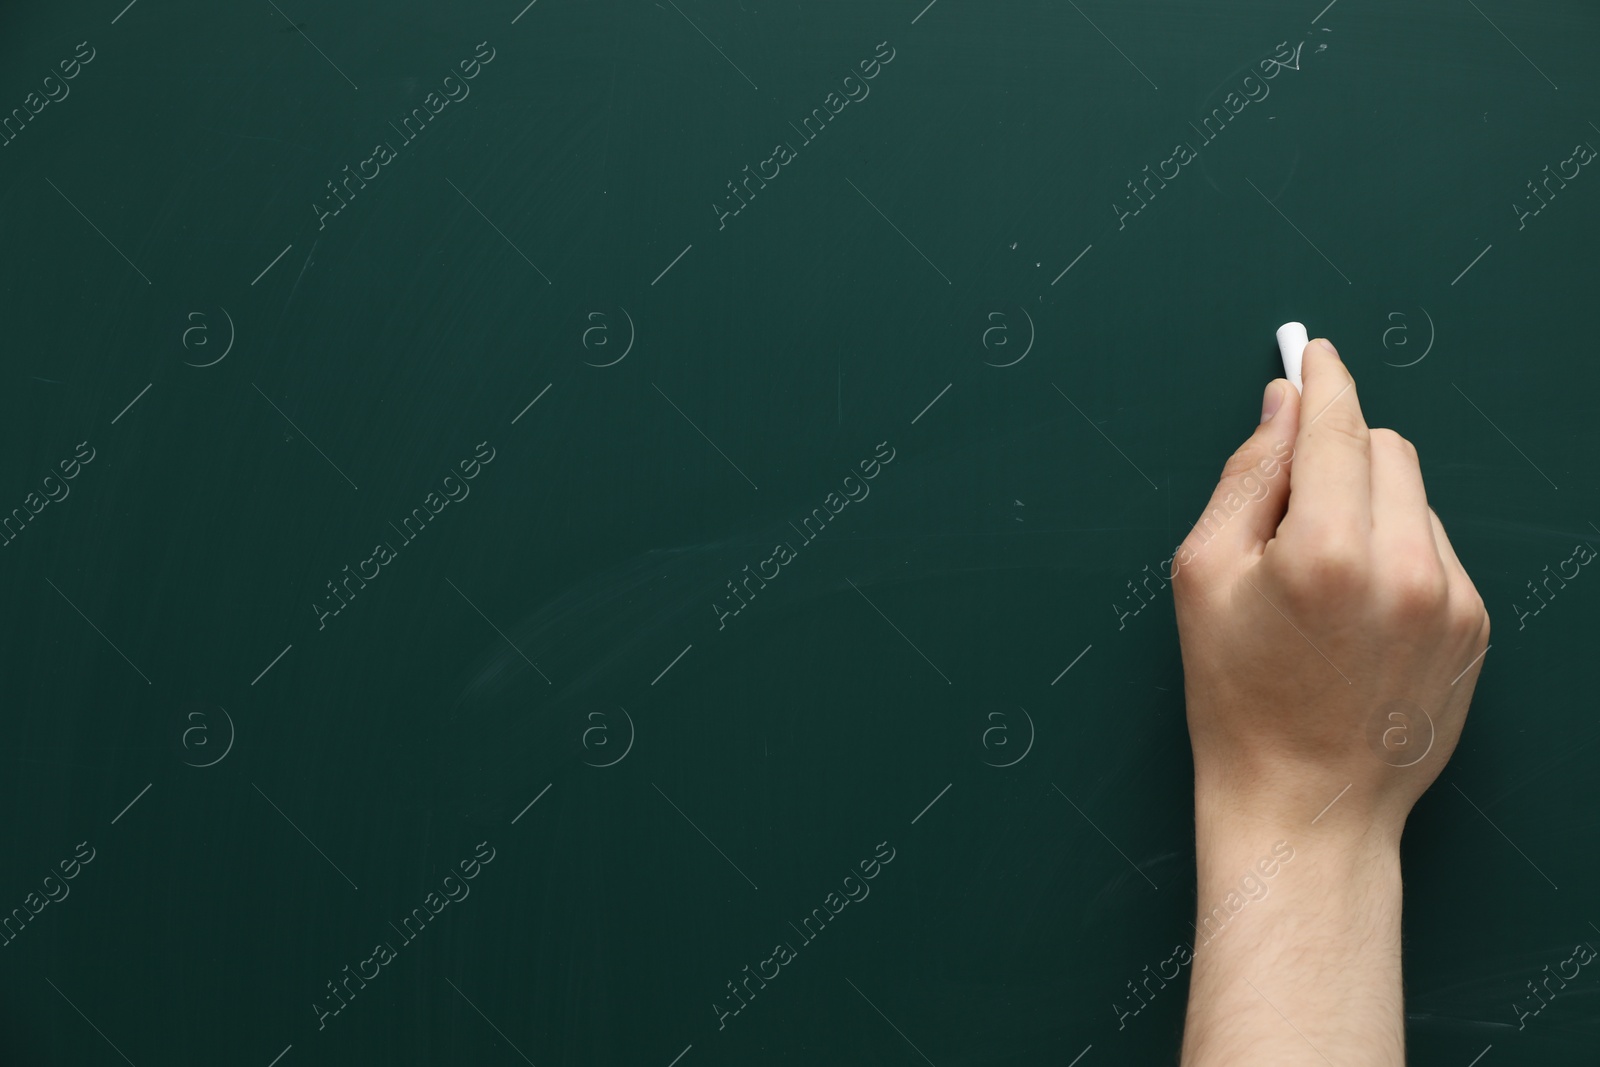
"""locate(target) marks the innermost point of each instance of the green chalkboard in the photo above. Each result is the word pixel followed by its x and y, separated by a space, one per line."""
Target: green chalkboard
pixel 618 533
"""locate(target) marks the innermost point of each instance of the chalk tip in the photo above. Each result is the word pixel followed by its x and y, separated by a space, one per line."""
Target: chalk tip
pixel 1292 341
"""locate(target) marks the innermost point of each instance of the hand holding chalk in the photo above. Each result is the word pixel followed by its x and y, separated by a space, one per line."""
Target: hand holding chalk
pixel 1292 341
pixel 1327 631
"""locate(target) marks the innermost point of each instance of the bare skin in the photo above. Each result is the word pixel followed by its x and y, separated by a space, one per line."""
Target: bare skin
pixel 1331 642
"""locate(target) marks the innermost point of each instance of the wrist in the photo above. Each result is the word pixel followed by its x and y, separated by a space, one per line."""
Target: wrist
pixel 1326 865
pixel 1346 810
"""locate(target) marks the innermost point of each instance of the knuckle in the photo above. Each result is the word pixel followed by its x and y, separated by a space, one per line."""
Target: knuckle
pixel 1340 569
pixel 1189 566
pixel 1468 613
pixel 1327 565
pixel 1183 583
pixel 1417 588
pixel 1242 462
pixel 1237 463
pixel 1390 440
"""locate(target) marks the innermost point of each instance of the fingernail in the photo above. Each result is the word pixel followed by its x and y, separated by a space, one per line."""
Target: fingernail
pixel 1327 344
pixel 1272 399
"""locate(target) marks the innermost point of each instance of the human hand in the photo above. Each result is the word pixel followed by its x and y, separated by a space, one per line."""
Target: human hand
pixel 1317 593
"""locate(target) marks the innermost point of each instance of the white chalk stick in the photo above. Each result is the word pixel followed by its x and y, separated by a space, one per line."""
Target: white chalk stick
pixel 1292 341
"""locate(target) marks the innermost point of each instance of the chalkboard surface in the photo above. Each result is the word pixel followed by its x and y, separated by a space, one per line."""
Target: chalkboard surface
pixel 623 533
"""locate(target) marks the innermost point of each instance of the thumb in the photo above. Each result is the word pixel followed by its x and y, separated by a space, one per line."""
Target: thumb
pixel 1253 492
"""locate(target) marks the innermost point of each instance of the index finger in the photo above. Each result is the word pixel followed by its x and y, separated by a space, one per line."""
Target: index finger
pixel 1330 482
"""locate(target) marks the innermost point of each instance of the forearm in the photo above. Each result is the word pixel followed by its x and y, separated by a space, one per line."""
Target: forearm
pixel 1302 966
